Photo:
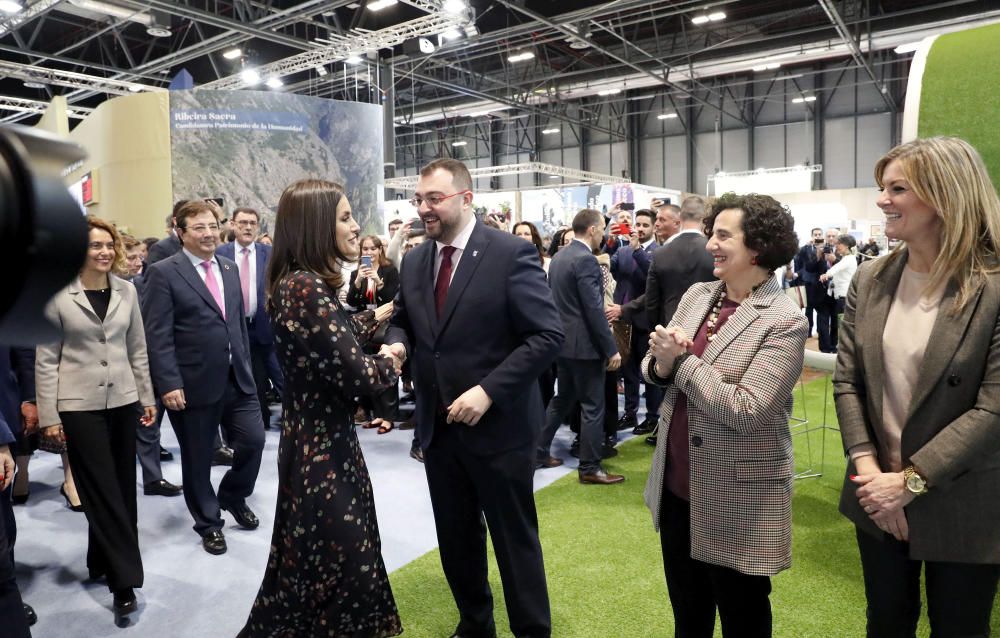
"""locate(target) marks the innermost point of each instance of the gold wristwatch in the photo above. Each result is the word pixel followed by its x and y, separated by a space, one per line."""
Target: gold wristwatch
pixel 914 482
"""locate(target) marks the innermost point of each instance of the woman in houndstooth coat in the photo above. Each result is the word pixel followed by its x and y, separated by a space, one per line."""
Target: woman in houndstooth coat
pixel 720 487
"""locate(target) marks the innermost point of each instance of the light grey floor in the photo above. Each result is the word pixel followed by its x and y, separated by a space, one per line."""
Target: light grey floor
pixel 189 593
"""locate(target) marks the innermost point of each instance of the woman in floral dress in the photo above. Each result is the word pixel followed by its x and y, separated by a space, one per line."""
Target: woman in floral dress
pixel 325 575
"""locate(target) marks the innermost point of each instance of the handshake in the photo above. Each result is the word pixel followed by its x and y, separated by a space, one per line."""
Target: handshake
pixel 396 352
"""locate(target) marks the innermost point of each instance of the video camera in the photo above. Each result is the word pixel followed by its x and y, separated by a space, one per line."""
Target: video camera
pixel 43 233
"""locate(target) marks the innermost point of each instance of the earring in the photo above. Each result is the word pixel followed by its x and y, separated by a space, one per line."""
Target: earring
pixel 753 261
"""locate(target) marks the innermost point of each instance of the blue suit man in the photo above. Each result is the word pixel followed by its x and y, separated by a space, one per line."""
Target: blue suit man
pixel 16 384
pixel 630 268
pixel 199 358
pixel 476 315
pixel 589 348
pixel 253 257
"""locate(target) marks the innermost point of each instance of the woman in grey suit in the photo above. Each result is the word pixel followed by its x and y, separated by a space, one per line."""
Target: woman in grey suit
pixel 92 387
pixel 720 487
pixel 917 395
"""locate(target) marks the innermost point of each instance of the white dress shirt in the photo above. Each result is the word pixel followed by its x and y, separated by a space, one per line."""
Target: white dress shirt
pixel 688 231
pixel 197 261
pixel 841 274
pixel 459 243
pixel 252 254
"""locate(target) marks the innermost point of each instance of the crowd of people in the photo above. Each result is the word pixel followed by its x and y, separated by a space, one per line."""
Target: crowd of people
pixel 685 306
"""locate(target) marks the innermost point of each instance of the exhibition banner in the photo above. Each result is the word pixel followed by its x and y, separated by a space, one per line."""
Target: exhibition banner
pixel 245 147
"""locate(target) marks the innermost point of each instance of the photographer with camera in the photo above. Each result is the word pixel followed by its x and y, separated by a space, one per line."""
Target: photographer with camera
pixel 810 263
pixel 619 227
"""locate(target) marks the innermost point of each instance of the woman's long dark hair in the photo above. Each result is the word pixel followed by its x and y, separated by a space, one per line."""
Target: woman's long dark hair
pixel 305 234
pixel 536 239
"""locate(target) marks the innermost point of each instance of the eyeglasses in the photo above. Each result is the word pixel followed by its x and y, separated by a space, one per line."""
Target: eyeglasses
pixel 246 223
pixel 434 200
pixel 202 228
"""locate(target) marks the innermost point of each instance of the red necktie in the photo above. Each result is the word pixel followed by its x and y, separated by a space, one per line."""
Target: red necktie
pixel 443 279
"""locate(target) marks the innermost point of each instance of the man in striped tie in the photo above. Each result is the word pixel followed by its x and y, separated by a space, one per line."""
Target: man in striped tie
pixel 199 358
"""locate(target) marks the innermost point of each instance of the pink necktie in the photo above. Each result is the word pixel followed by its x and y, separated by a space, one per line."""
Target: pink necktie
pixel 213 286
pixel 245 280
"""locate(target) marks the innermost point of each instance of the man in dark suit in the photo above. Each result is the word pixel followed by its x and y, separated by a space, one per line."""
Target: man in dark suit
pixel 808 265
pixel 681 262
pixel 199 358
pixel 630 267
pixel 589 348
pixel 16 383
pixel 476 314
pixel 251 259
pixel 169 245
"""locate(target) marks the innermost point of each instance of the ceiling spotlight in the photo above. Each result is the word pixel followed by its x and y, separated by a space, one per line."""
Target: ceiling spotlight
pixel 378 5
pixel 520 57
pixel 451 34
pixel 810 98
pixel 70 112
pixel 906 48
pixel 798 100
pixel 459 143
pixel 232 54
pixel 609 92
pixel 767 66
pixel 250 77
pixel 158 31
pixel 354 59
pixel 274 83
pixel 454 6
pixel 10 6
pixel 553 177
pixel 708 17
pixel 804 98
pixel 32 84
pixel 549 131
pixel 666 116
pixel 321 70
pixel 135 88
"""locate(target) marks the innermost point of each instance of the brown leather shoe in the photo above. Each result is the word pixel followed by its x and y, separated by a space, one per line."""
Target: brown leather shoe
pixel 548 462
pixel 600 477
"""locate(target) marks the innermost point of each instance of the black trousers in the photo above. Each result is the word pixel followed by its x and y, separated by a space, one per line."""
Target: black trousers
pixel 960 596
pixel 147 447
pixel 465 488
pixel 579 380
pixel 266 372
pixel 12 618
pixel 196 428
pixel 632 377
pixel 827 323
pixel 610 408
pixel 697 588
pixel 101 448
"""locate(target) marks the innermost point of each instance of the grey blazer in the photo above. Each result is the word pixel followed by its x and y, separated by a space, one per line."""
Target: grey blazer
pixel 952 430
pixel 739 395
pixel 96 365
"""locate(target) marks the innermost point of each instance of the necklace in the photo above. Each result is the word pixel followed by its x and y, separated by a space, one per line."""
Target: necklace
pixel 711 326
pixel 713 317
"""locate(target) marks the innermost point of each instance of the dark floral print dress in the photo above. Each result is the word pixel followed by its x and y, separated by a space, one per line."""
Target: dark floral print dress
pixel 325 575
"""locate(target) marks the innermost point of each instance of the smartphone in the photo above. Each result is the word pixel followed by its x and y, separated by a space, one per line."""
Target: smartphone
pixel 366 261
pixel 626 206
pixel 417 224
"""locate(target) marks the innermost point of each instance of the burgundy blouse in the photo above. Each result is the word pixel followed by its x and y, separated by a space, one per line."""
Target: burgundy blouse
pixel 678 474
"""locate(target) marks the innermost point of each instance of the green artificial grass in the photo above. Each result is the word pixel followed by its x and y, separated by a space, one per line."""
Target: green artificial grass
pixel 605 573
pixel 960 94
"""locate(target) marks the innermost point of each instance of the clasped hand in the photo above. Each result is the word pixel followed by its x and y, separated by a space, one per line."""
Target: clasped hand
pixel 667 344
pixel 883 496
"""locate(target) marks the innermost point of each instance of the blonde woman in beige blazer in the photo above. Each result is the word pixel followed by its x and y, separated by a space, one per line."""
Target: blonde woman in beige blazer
pixel 92 387
pixel 917 387
pixel 720 487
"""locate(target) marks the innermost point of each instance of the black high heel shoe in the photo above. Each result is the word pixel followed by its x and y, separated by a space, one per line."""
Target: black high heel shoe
pixel 75 508
pixel 124 605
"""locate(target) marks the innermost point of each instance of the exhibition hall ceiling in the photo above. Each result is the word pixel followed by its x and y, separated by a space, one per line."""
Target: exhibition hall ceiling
pixel 438 61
